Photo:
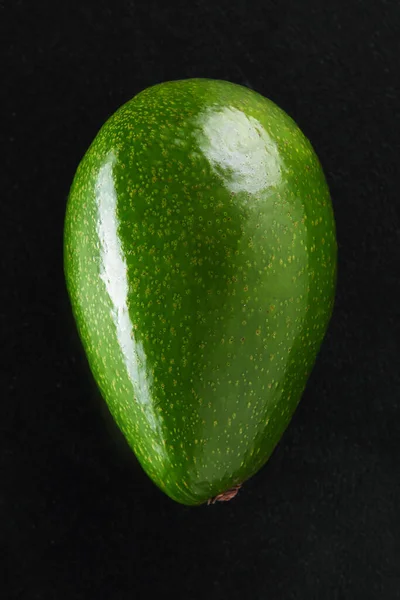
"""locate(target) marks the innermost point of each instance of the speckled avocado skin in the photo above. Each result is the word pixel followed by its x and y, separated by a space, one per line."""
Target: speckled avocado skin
pixel 200 260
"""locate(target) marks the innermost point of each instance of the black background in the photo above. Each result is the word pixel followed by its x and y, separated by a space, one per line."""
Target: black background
pixel 79 519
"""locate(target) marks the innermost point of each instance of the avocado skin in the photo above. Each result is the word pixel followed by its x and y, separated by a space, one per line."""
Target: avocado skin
pixel 200 260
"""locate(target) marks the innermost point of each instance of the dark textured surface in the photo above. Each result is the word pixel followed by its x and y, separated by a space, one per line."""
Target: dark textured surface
pixel 79 519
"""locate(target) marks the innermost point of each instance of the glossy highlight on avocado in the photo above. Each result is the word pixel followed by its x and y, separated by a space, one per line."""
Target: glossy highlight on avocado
pixel 200 260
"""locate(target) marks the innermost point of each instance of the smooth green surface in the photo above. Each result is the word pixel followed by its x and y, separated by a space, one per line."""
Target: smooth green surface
pixel 200 259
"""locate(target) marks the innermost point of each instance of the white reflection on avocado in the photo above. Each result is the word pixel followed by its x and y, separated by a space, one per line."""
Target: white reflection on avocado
pixel 113 272
pixel 239 150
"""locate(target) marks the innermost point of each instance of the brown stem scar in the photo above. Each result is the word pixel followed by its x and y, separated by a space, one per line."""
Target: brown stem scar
pixel 225 496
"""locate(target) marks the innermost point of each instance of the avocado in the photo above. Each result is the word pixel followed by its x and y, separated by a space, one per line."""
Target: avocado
pixel 200 260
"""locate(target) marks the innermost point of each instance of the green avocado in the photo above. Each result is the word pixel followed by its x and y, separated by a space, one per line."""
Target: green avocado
pixel 200 261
